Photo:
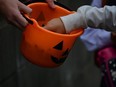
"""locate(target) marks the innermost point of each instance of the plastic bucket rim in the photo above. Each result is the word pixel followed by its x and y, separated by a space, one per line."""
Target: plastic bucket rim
pixel 36 25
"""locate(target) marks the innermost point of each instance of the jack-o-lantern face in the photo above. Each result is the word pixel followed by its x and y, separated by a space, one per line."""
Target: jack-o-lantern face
pixel 42 47
pixel 52 56
pixel 64 55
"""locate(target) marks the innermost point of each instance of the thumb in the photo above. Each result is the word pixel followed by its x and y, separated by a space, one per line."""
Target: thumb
pixel 24 8
pixel 51 3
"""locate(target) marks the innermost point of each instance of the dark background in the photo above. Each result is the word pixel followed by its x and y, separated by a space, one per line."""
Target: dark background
pixel 79 69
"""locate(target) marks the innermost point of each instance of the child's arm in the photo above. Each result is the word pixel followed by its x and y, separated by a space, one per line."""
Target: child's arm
pixel 92 37
pixel 85 16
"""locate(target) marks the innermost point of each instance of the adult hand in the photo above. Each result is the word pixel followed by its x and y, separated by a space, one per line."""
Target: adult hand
pixel 55 25
pixel 11 10
pixel 51 3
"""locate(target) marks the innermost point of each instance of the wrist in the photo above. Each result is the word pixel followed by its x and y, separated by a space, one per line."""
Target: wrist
pixel 72 22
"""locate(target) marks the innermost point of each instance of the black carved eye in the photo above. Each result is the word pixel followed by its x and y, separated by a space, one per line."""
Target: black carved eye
pixel 59 46
pixel 41 18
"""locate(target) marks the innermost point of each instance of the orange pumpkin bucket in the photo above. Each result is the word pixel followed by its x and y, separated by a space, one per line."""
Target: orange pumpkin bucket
pixel 43 47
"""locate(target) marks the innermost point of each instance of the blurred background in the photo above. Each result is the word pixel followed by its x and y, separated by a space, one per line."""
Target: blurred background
pixel 79 70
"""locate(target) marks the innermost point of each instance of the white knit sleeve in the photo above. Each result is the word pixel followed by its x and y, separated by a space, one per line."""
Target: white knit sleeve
pixel 88 16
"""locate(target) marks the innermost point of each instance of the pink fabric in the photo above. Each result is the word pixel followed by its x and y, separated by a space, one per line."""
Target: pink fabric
pixel 105 54
pixel 106 60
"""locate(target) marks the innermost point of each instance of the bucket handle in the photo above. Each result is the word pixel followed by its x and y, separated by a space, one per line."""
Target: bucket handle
pixel 29 20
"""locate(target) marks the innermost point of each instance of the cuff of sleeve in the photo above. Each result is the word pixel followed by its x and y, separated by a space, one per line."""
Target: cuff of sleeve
pixel 72 21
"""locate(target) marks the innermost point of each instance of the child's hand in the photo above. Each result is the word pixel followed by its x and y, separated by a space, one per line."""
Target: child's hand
pixel 55 25
pixel 10 9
